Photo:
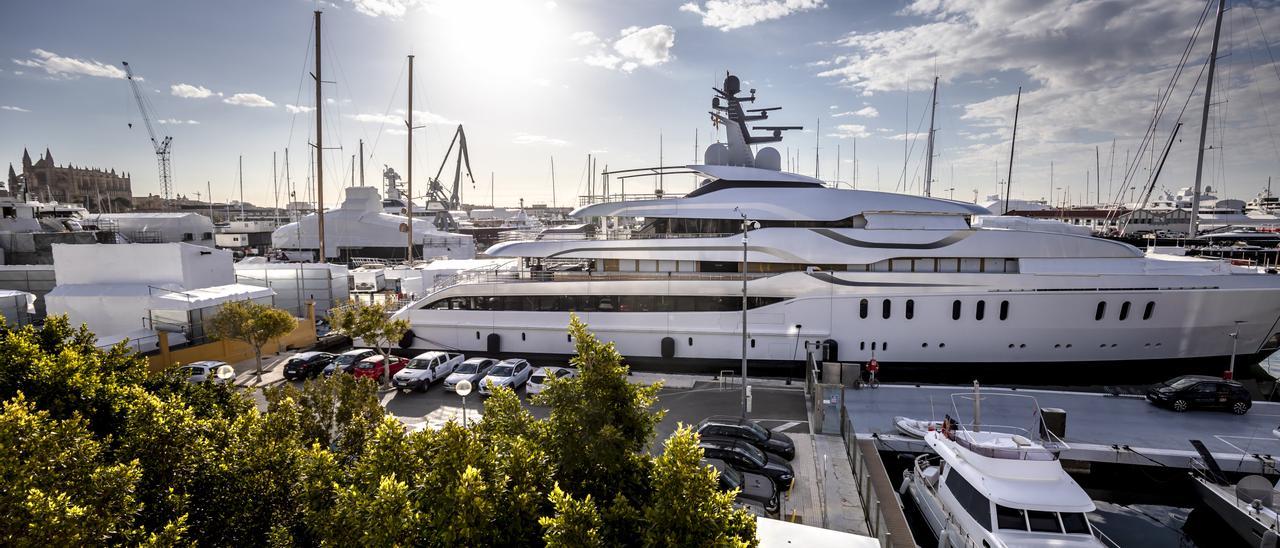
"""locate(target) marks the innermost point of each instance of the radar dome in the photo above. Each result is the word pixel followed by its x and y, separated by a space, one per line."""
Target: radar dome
pixel 769 158
pixel 732 85
pixel 717 154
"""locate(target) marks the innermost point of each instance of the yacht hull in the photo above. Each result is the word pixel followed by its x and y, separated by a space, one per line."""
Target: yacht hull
pixel 1245 526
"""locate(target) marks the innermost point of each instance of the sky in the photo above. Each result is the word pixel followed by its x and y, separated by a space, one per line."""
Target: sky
pixel 537 82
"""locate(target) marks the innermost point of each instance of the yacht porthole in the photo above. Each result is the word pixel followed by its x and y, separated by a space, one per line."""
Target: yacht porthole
pixel 1113 345
pixel 1023 345
pixel 1010 345
pixel 1068 345
pixel 690 341
pixel 924 345
pixel 942 345
pixel 522 336
pixel 1057 346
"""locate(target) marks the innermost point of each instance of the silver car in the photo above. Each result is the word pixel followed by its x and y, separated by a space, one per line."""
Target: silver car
pixel 512 373
pixel 538 381
pixel 205 371
pixel 471 370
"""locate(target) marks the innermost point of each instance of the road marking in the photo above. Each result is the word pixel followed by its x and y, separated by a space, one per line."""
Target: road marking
pixel 388 397
pixel 785 426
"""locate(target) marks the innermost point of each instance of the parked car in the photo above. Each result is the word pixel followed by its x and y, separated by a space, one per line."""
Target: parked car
pixel 751 432
pixel 426 368
pixel 306 364
pixel 538 381
pixel 748 458
pixel 473 370
pixel 752 487
pixel 204 371
pixel 1202 392
pixel 373 366
pixel 346 361
pixel 512 373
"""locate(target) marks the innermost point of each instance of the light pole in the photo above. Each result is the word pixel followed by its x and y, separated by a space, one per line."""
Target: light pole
pixel 746 225
pixel 1235 337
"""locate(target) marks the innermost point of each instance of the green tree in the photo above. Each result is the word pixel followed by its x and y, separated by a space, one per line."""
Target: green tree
pixel 60 487
pixel 372 325
pixel 575 524
pixel 252 323
pixel 598 430
pixel 687 507
pixel 339 413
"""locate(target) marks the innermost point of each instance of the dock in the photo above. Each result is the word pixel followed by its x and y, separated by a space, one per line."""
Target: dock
pixel 1100 428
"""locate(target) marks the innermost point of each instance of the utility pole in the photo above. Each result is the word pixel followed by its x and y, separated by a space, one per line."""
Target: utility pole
pixel 746 225
pixel 1008 186
pixel 319 157
pixel 1204 123
pixel 928 159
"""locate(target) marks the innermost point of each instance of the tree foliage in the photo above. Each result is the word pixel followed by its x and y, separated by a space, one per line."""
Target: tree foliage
pixel 93 451
pixel 254 324
pixel 371 324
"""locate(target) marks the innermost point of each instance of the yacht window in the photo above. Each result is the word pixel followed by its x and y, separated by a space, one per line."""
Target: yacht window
pixel 1044 522
pixel 925 265
pixel 885 309
pixel 911 309
pixel 955 310
pixel 862 309
pixel 1004 310
pixel 1102 311
pixel 900 265
pixel 971 265
pixel 1146 313
pixel 970 499
pixel 1075 523
pixel 1010 518
pixel 982 308
pixel 1124 310
pixel 948 265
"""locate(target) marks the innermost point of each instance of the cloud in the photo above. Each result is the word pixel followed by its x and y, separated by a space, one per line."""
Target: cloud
pixel 849 131
pixel 248 100
pixel 378 119
pixel 865 112
pixel 727 15
pixel 913 136
pixel 635 47
pixel 393 9
pixel 397 131
pixel 190 91
pixel 298 109
pixel 13 108
pixel 69 67
pixel 584 38
pixel 530 139
pixel 174 121
pixel 420 117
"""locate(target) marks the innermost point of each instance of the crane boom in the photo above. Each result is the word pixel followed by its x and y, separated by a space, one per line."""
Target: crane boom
pixel 161 146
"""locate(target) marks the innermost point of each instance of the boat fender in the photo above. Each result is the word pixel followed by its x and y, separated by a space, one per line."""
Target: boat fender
pixel 906 483
pixel 668 348
pixel 1270 539
pixel 944 540
pixel 407 340
pixel 494 343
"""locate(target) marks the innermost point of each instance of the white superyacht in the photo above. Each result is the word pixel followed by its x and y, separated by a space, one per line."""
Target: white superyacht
pixel 920 283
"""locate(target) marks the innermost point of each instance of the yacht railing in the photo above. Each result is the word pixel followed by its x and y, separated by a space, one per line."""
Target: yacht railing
pixel 613 234
pixel 525 276
pixel 1050 447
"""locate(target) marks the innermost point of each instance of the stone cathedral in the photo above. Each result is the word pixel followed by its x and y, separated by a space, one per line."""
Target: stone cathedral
pixel 96 189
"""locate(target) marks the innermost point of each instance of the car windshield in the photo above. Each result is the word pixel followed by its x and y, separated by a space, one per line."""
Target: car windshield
pixel 756 455
pixel 367 365
pixel 501 371
pixel 348 359
pixel 731 476
pixel 537 379
pixel 1183 382
pixel 759 430
pixel 467 368
pixel 420 364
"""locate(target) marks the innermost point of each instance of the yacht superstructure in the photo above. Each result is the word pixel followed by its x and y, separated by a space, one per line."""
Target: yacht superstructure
pixel 914 281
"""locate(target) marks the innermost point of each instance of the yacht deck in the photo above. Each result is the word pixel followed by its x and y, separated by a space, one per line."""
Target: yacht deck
pixel 1104 428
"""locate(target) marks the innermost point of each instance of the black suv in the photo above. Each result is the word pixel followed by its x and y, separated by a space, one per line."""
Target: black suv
pixel 748 458
pixel 751 487
pixel 1199 391
pixel 750 432
pixel 306 364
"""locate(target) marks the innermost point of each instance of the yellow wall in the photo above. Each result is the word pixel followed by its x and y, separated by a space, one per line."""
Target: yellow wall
pixel 233 351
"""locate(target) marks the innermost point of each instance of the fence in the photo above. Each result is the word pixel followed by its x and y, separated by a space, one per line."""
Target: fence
pixel 880 505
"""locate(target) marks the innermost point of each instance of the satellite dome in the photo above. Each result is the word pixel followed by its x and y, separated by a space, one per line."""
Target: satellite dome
pixel 769 158
pixel 717 154
pixel 732 85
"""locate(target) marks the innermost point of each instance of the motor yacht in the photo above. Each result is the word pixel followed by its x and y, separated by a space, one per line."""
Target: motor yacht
pixel 923 283
pixel 1251 506
pixel 996 487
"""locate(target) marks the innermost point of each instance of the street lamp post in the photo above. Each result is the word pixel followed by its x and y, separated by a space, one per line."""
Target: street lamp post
pixel 1235 337
pixel 746 225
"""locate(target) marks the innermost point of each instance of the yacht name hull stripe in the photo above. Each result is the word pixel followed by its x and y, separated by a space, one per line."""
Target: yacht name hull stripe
pixel 762 249
pixel 834 280
pixel 953 238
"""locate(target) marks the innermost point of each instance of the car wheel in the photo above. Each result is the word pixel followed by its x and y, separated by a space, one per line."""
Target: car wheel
pixel 423 387
pixel 1239 408
pixel 1179 405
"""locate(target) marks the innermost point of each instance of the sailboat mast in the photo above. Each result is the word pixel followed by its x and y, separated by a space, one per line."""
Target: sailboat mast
pixel 275 187
pixel 362 162
pixel 241 168
pixel 928 159
pixel 319 147
pixel 1013 141
pixel 408 199
pixel 1204 123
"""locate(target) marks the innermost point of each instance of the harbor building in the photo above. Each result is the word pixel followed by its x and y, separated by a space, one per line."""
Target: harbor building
pixel 98 190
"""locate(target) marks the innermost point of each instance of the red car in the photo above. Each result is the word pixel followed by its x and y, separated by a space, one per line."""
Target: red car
pixel 372 367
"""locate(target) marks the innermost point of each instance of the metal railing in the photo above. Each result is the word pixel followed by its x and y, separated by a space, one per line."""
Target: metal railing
pixel 880 505
pixel 518 276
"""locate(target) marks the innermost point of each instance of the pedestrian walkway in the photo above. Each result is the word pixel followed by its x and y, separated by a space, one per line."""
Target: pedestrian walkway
pixel 824 494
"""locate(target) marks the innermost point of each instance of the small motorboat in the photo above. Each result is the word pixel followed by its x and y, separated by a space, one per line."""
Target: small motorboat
pixel 915 428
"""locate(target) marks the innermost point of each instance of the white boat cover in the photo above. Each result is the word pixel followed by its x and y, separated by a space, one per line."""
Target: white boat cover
pixel 360 223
